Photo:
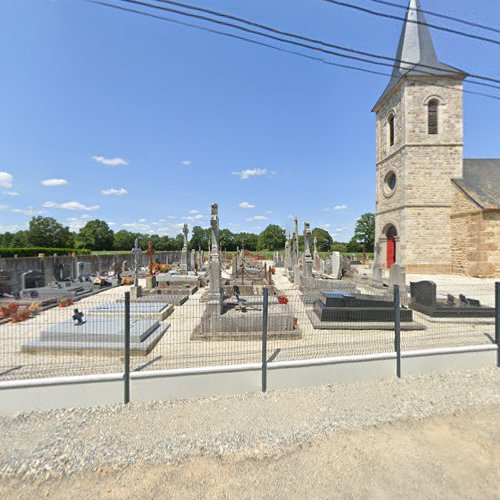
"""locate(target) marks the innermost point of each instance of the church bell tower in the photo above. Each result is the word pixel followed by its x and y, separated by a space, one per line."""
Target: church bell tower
pixel 419 120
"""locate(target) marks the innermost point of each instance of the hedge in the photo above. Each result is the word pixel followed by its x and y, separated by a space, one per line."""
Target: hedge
pixel 6 252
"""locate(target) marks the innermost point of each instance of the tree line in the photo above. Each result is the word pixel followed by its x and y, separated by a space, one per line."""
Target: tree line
pixel 97 235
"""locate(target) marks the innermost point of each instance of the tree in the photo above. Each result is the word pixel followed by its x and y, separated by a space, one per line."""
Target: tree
pixel 95 235
pixel 339 246
pixel 353 246
pixel 124 240
pixel 47 232
pixel 324 240
pixel 199 238
pixel 248 241
pixel 364 232
pixel 272 238
pixel 226 240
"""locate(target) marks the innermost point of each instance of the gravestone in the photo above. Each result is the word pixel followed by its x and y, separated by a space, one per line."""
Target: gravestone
pixel 184 253
pixel 151 278
pixel 136 290
pixel 424 293
pixel 214 303
pixel 57 268
pixel 193 260
pixel 32 279
pixel 336 265
pixel 397 276
pixel 377 266
pixel 308 260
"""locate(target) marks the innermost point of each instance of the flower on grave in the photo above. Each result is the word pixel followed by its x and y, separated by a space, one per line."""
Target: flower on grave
pixel 21 315
pixel 127 281
pixel 161 268
pixel 282 299
pixel 9 310
pixel 64 301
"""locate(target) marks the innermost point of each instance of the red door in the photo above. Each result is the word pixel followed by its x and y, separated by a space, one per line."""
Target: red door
pixel 391 251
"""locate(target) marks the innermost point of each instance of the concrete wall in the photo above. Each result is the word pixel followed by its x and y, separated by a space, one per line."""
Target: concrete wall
pixel 29 395
pixel 15 267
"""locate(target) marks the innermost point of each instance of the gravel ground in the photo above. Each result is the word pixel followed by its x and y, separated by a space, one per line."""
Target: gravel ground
pixel 41 446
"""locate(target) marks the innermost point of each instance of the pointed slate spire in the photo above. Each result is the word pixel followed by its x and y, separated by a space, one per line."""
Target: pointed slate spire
pixel 416 55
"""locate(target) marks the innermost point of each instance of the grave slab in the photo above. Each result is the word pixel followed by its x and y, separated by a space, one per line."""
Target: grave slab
pixel 99 334
pixel 152 310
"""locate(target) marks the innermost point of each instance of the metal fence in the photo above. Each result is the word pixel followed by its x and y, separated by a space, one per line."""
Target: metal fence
pixel 184 328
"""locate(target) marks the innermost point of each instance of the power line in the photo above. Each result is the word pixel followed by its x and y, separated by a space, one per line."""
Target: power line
pixel 258 43
pixel 399 18
pixel 284 40
pixel 308 39
pixel 442 16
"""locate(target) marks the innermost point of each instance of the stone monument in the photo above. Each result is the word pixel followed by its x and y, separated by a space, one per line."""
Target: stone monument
pixel 151 278
pixel 185 258
pixel 214 299
pixel 136 290
pixel 308 260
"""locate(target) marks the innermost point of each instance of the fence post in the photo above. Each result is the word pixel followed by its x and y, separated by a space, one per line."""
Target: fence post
pixel 397 329
pixel 497 320
pixel 126 374
pixel 264 338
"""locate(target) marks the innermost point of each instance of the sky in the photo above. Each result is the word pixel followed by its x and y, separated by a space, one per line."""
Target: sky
pixel 144 124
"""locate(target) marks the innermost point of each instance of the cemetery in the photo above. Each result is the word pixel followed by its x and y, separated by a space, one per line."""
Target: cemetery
pixel 196 311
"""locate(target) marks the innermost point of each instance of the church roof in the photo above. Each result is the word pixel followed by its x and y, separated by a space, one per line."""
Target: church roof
pixel 481 182
pixel 416 55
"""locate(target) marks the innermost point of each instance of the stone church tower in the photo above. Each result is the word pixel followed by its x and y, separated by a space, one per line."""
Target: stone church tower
pixel 419 150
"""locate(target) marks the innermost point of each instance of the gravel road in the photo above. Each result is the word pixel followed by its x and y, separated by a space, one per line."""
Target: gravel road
pixel 45 447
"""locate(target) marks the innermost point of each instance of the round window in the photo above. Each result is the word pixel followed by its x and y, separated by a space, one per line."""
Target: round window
pixel 390 183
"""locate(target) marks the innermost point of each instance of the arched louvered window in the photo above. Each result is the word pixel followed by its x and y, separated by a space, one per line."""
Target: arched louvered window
pixel 391 129
pixel 432 116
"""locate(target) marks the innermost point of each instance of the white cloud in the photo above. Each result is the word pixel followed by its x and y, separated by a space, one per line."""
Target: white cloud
pixel 233 225
pixel 113 162
pixel 194 212
pixel 171 217
pixel 186 163
pixel 245 204
pixel 111 224
pixel 142 220
pixel 69 205
pixel 340 207
pixel 250 172
pixel 6 180
pixel 114 192
pixel 256 217
pixel 75 223
pixel 269 211
pixel 30 211
pixel 195 217
pixel 10 193
pixel 54 182
pixel 139 227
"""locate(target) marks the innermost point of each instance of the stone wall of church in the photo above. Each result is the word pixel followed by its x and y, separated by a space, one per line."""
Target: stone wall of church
pixel 475 238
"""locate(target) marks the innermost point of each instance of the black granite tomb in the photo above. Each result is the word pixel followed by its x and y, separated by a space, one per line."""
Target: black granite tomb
pixel 345 307
pixel 424 299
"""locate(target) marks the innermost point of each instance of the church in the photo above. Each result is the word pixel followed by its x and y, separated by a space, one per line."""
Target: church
pixel 436 212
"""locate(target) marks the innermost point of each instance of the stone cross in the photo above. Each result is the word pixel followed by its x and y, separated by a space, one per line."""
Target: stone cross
pixel 150 251
pixel 315 242
pixel 137 252
pixel 214 225
pixel 307 239
pixel 185 231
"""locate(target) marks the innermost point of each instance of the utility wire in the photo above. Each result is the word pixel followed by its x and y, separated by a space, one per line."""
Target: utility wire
pixel 442 16
pixel 279 49
pixel 307 39
pixel 399 18
pixel 284 40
